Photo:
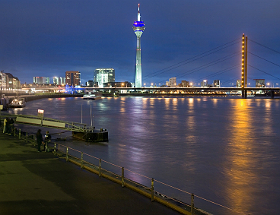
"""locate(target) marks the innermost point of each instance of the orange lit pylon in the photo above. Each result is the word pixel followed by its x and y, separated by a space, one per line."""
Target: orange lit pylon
pixel 244 62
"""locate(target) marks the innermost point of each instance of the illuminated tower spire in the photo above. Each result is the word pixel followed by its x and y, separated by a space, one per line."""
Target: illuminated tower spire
pixel 138 28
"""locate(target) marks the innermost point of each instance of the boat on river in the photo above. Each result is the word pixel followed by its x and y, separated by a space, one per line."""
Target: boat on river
pixel 92 136
pixel 92 96
pixel 17 103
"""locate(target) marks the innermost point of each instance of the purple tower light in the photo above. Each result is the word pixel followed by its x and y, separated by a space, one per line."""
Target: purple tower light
pixel 138 28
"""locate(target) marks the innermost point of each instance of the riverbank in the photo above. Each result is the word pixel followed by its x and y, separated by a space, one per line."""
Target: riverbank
pixel 42 183
pixel 29 98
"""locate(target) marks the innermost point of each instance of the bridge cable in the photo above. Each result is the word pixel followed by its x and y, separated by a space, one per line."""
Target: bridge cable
pixel 264 46
pixel 189 60
pixel 264 59
pixel 263 72
pixel 220 72
pixel 206 65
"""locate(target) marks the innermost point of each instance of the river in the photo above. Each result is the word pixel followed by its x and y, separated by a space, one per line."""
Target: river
pixel 223 149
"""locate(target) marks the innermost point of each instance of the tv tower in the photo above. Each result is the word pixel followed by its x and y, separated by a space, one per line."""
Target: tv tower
pixel 138 28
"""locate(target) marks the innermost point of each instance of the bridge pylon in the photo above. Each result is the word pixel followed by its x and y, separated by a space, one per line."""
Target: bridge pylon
pixel 244 66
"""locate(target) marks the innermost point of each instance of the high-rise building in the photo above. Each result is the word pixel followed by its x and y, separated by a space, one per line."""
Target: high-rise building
pixel 172 82
pixel 260 82
pixel 216 83
pixel 204 83
pixel 73 78
pixel 59 80
pixel 90 83
pixel 138 28
pixel 3 80
pixel 185 83
pixel 41 80
pixel 238 83
pixel 104 75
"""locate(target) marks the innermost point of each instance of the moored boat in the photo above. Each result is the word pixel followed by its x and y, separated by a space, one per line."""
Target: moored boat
pixel 17 103
pixel 93 96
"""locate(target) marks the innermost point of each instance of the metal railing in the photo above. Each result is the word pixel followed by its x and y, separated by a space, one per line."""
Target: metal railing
pixel 69 126
pixel 117 173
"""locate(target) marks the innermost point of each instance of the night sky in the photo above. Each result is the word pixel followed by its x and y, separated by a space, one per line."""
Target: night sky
pixel 188 39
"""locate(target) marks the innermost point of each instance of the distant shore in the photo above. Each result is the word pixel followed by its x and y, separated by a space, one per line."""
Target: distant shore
pixel 31 97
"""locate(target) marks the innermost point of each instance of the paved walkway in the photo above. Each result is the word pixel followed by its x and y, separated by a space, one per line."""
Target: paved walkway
pixel 34 182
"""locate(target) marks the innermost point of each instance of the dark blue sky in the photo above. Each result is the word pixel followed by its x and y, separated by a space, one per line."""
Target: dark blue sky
pixel 49 37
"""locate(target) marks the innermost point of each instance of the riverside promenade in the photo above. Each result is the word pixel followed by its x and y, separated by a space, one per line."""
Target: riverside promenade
pixel 34 182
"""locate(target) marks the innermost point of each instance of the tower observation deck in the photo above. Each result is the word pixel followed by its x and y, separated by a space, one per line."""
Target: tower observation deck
pixel 138 28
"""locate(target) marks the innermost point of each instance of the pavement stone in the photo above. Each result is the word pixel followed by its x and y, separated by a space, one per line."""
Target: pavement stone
pixel 34 182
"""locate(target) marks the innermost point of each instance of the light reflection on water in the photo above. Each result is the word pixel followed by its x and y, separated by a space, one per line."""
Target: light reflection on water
pixel 225 150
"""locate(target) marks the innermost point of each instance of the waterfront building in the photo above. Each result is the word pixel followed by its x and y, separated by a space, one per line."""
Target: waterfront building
pixel 59 80
pixel 260 82
pixel 73 78
pixel 118 84
pixel 90 83
pixel 216 83
pixel 3 80
pixel 238 83
pixel 204 83
pixel 41 80
pixel 138 28
pixel 184 83
pixel 12 82
pixel 172 82
pixel 104 75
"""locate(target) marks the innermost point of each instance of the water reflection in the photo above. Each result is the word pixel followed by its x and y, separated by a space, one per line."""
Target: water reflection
pixel 242 165
pixel 226 150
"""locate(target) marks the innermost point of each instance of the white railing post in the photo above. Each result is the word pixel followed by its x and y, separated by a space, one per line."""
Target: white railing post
pixel 99 167
pixel 54 150
pixel 152 190
pixel 192 204
pixel 82 159
pixel 67 154
pixel 122 176
pixel 19 133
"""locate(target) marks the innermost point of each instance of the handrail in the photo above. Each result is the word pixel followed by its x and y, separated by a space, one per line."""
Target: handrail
pixel 125 181
pixel 69 149
pixel 72 126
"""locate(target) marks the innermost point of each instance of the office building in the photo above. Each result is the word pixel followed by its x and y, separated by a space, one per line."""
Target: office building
pixel 73 78
pixel 41 80
pixel 238 83
pixel 204 83
pixel 185 83
pixel 90 83
pixel 216 83
pixel 171 82
pixel 12 82
pixel 260 82
pixel 104 75
pixel 59 80
pixel 3 80
pixel 118 84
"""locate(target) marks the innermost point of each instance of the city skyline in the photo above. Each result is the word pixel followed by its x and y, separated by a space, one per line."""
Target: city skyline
pixel 48 38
